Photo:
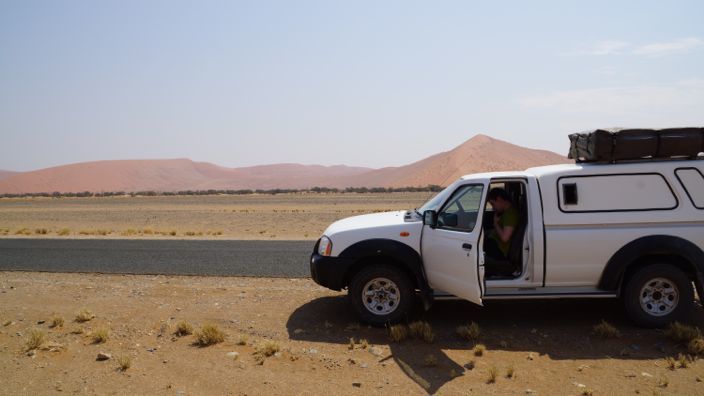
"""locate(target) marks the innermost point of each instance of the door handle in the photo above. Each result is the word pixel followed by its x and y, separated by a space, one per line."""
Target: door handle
pixel 467 246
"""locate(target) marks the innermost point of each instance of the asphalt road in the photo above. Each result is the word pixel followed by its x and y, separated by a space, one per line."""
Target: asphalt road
pixel 119 256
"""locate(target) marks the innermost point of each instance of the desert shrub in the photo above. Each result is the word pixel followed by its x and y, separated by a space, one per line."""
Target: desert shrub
pixel 422 330
pixel 209 334
pixel 493 374
pixel 364 343
pixel 469 332
pixel 84 315
pixel 679 332
pixel 351 344
pixel 63 232
pixel 124 362
pixel 100 336
pixel 510 372
pixel 683 361
pixel 267 348
pixel 398 332
pixel 41 231
pixel 606 330
pixel 242 339
pixel 35 340
pixel 479 350
pixel 696 346
pixel 670 363
pixel 183 328
pixel 56 321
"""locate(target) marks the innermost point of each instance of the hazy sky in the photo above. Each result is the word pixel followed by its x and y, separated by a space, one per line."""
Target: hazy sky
pixel 368 83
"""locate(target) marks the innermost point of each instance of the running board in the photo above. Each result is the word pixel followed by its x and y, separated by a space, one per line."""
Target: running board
pixel 525 296
pixel 549 296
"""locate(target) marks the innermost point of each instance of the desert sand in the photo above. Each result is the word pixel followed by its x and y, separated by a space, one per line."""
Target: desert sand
pixel 258 216
pixel 550 348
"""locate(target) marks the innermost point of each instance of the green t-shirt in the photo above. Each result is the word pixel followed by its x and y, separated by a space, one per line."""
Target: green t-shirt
pixel 509 218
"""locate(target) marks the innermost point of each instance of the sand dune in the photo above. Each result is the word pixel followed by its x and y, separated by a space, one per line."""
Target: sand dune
pixel 5 174
pixel 478 154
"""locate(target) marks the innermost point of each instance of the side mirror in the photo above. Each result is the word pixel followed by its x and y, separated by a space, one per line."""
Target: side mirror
pixel 430 218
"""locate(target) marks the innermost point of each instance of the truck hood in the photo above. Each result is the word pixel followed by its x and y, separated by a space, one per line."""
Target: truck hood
pixel 388 225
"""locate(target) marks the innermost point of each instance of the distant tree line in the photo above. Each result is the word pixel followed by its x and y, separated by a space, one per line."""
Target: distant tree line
pixel 322 190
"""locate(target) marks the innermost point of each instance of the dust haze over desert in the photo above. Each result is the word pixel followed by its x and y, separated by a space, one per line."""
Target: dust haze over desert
pixel 481 153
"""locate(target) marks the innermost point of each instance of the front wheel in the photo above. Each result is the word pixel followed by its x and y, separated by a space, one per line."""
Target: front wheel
pixel 381 294
pixel 657 295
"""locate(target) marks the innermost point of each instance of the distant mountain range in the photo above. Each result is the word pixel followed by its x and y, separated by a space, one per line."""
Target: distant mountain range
pixel 478 154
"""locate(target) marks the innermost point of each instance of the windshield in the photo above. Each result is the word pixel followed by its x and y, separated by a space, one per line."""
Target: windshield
pixel 435 202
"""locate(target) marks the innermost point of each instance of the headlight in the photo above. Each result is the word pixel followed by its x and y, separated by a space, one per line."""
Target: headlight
pixel 325 246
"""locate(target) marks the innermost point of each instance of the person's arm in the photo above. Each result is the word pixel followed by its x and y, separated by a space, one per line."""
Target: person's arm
pixel 504 233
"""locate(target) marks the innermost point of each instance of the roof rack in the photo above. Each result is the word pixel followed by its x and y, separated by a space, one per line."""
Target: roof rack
pixel 637 145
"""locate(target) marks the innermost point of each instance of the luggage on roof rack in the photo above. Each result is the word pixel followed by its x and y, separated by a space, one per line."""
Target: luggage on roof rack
pixel 636 144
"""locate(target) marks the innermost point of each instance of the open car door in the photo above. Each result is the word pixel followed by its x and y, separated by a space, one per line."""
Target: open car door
pixel 450 250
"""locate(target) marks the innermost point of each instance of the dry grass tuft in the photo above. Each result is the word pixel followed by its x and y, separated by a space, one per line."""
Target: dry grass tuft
pixel 351 345
pixel 124 362
pixel 606 330
pixel 209 334
pixel 267 348
pixel 430 361
pixel 398 332
pixel 35 340
pixel 56 321
pixel 183 328
pixel 469 332
pixel 364 343
pixel 242 339
pixel 41 231
pixel 683 361
pixel 63 232
pixel 493 374
pixel 696 346
pixel 510 372
pixel 78 330
pixel 670 363
pixel 679 332
pixel 23 231
pixel 423 331
pixel 587 392
pixel 100 336
pixel 479 350
pixel 84 315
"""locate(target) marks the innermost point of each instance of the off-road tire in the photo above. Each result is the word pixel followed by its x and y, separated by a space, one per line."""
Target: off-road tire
pixel 402 283
pixel 632 295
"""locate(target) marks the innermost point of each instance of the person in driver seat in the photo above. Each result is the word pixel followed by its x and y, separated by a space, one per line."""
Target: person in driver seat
pixel 506 219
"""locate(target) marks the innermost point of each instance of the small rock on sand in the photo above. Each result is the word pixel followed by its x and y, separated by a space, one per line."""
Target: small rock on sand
pixel 103 356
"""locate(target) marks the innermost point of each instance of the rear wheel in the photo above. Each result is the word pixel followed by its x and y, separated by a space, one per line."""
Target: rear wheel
pixel 381 294
pixel 657 295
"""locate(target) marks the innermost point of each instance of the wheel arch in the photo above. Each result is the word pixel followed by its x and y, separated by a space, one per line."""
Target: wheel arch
pixel 649 249
pixel 388 251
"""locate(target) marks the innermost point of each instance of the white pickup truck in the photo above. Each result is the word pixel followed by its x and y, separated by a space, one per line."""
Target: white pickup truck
pixel 633 231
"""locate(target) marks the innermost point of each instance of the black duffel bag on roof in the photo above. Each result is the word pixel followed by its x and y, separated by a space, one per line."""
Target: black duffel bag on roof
pixel 636 144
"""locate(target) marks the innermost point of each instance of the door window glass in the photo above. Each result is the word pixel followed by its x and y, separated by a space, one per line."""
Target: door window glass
pixel 460 211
